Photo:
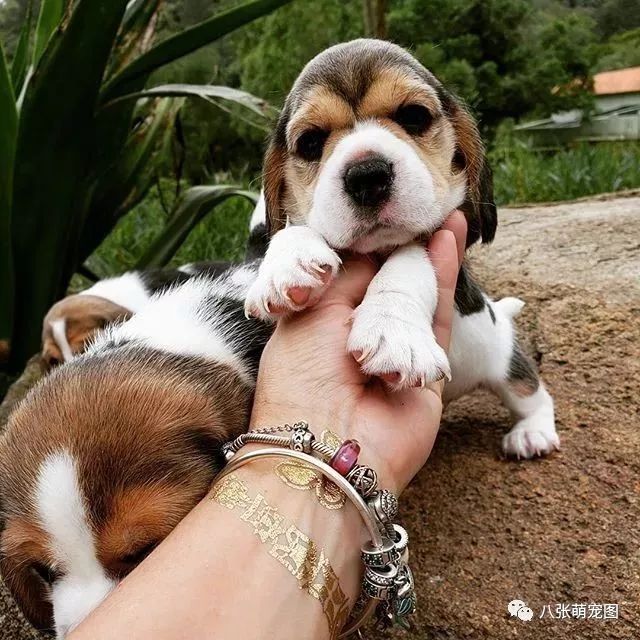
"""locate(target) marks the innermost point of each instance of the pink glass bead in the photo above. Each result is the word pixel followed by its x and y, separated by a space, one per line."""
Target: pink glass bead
pixel 346 457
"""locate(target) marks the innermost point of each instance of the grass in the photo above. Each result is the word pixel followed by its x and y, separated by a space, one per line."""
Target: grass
pixel 521 174
pixel 222 235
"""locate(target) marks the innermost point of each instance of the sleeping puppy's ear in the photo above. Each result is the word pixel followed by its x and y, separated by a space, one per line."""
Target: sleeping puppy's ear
pixel 273 176
pixel 79 318
pixel 28 591
pixel 478 207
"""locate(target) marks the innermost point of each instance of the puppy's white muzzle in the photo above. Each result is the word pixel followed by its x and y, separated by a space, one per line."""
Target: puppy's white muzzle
pixel 374 192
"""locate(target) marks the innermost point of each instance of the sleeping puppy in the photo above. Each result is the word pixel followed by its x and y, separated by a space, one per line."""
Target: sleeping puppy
pixel 109 452
pixel 71 323
pixel 370 154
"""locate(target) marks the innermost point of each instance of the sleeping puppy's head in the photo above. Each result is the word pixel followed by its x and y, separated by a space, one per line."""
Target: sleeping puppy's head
pixel 99 463
pixel 372 151
pixel 72 322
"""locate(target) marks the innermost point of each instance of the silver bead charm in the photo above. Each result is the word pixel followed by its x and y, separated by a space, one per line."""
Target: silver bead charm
pixel 384 505
pixel 379 583
pixel 380 556
pixel 364 480
pixel 301 438
pixel 401 541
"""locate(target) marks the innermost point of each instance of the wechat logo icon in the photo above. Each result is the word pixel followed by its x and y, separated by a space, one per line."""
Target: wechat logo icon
pixel 519 608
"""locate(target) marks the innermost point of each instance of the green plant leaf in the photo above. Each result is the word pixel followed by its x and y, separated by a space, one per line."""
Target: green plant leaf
pixel 8 132
pixel 53 156
pixel 117 146
pixel 186 42
pixel 51 12
pixel 133 170
pixel 21 57
pixel 135 35
pixel 194 205
pixel 210 93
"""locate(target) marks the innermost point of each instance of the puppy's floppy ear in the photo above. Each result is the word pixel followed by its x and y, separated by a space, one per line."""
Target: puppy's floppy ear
pixel 478 207
pixel 273 176
pixel 84 315
pixel 28 591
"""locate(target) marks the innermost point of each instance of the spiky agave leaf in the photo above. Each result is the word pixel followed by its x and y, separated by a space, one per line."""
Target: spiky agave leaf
pixel 132 172
pixel 194 205
pixel 134 76
pixel 8 132
pixel 22 54
pixel 53 154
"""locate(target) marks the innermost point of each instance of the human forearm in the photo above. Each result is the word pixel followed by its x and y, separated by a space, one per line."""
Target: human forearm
pixel 229 571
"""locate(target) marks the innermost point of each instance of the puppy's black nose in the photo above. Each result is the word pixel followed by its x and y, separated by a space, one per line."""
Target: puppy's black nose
pixel 368 182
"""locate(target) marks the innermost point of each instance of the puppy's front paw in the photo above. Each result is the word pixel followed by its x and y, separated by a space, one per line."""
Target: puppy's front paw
pixel 533 436
pixel 392 342
pixel 293 275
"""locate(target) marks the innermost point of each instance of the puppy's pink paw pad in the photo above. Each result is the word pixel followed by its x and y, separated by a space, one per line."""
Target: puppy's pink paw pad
pixel 299 295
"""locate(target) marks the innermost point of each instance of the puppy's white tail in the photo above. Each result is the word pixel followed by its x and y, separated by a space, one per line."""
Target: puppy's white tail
pixel 510 306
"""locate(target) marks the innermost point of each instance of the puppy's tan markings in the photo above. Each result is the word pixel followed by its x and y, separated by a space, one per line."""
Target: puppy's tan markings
pixel 323 109
pixel 79 317
pixel 390 89
pixel 26 538
pixel 140 517
pixel 22 543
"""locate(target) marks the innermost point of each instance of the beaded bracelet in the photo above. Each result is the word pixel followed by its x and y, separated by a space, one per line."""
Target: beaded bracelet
pixel 387 584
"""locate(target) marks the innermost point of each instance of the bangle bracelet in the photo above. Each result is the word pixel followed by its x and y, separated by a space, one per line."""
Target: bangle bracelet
pixel 387 585
pixel 352 494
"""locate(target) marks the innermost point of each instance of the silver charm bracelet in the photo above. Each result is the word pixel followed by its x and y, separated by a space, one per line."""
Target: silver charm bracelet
pixel 387 583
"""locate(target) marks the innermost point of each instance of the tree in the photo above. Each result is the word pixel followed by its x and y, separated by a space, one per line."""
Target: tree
pixel 502 56
pixel 620 51
pixel 616 16
pixel 375 18
pixel 272 53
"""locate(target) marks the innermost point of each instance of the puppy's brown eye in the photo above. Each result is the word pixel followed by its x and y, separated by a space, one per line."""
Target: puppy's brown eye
pixel 310 144
pixel 415 119
pixel 47 574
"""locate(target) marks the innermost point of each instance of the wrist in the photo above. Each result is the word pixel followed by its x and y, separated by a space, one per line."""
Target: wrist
pixel 329 466
pixel 338 532
pixel 389 476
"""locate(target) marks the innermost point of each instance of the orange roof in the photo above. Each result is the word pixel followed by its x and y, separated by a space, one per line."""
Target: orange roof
pixel 620 81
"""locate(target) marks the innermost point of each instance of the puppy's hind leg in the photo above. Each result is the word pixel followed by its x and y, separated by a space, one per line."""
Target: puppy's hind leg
pixel 523 393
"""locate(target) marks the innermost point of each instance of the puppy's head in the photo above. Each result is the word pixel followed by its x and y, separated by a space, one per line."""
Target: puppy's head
pixel 72 322
pixel 99 463
pixel 372 151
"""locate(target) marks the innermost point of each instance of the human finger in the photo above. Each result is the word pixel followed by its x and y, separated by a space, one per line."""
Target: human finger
pixel 443 251
pixel 457 224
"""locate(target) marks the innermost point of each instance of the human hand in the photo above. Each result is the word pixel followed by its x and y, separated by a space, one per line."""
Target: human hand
pixel 307 374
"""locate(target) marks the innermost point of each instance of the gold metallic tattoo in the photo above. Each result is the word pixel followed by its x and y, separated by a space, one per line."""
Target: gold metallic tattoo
pixel 295 551
pixel 298 475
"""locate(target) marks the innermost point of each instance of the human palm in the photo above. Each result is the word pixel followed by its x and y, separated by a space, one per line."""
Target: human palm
pixel 307 374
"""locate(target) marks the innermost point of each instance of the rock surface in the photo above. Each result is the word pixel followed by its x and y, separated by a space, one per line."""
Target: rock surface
pixel 559 531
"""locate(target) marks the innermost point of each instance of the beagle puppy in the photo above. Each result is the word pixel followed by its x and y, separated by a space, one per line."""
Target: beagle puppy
pixel 370 154
pixel 71 323
pixel 107 453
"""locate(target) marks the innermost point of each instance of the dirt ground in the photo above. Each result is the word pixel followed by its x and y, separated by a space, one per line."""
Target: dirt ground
pixel 558 531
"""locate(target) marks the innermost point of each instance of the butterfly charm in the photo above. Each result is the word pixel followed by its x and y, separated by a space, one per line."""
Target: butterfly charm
pixel 298 475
